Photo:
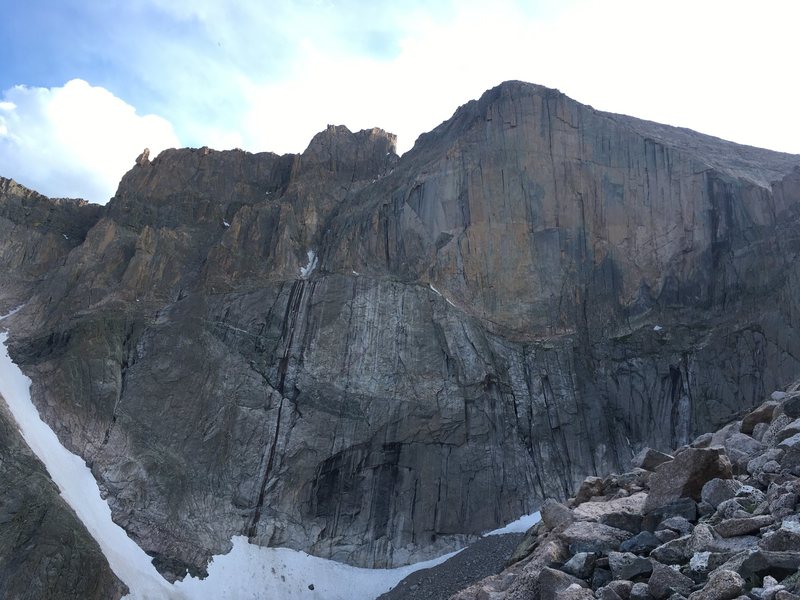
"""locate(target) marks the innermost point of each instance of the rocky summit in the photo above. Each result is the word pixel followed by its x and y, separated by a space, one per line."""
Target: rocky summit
pixel 376 358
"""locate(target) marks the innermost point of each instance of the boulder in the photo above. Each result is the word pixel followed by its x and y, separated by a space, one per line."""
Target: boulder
pixel 791 405
pixel 721 585
pixel 757 464
pixel 589 488
pixel 552 581
pixel 586 536
pixel 717 490
pixel 786 538
pixel 783 505
pixel 666 535
pixel 623 520
pixel 649 459
pixel 790 443
pixel 575 592
pixel 601 577
pixel 581 565
pixel 685 476
pixel 734 527
pixel 641 591
pixel 764 562
pixel 770 437
pixel 606 593
pixel 641 543
pixel 554 514
pixel 759 430
pixel 702 441
pixel 702 538
pixel 594 511
pixel 678 524
pixel 788 431
pixel 740 448
pixel 626 565
pixel 666 581
pixel 762 414
pixel 674 552
pixel 683 507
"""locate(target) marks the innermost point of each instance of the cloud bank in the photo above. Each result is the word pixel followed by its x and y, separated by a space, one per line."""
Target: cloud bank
pixel 76 140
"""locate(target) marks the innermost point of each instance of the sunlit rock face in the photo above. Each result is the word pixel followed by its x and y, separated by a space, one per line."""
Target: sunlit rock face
pixel 373 357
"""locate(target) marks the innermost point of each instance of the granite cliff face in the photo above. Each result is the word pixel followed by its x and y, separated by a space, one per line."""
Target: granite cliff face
pixel 374 358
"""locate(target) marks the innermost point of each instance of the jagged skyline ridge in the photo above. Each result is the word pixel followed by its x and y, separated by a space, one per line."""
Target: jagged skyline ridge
pixel 267 78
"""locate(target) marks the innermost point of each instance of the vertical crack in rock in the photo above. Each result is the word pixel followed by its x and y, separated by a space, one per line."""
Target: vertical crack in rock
pixel 293 306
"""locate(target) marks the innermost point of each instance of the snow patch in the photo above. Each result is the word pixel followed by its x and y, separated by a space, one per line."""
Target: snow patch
pixel 250 572
pixel 310 265
pixel 66 237
pixel 657 328
pixel 437 292
pixel 225 223
pixel 521 525
pixel 356 273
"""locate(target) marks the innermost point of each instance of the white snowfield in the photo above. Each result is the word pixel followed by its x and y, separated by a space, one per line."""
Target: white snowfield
pixel 521 525
pixel 246 572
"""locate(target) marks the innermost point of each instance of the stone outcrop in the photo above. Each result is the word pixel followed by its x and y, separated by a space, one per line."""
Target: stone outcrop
pixel 743 542
pixel 375 358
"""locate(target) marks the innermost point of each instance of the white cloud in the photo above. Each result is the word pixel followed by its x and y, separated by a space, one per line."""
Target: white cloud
pixel 268 76
pixel 76 140
pixel 721 67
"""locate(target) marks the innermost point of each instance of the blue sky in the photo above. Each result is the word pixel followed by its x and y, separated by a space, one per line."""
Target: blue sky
pixel 86 85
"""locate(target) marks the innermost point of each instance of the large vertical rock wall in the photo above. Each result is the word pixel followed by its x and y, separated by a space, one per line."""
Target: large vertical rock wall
pixel 530 295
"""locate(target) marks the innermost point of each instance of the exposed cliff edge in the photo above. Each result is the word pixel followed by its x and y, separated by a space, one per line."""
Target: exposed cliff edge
pixel 374 357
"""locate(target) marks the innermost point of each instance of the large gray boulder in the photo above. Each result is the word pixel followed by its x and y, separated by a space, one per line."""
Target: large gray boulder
pixel 586 536
pixel 686 475
pixel 666 581
pixel 721 585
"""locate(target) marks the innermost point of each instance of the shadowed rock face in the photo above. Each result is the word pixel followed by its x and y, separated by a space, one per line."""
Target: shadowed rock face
pixel 45 552
pixel 479 331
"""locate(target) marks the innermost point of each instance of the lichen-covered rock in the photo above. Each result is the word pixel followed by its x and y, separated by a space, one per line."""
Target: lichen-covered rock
pixel 586 536
pixel 733 527
pixel 627 565
pixel 666 581
pixel 721 585
pixel 553 581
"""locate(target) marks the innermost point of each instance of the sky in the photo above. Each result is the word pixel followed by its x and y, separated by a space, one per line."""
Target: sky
pixel 86 85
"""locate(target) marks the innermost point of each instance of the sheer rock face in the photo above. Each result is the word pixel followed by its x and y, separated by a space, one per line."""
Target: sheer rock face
pixel 45 552
pixel 532 294
pixel 36 234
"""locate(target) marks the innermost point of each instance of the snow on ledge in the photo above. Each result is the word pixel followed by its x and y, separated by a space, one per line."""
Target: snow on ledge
pixel 310 265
